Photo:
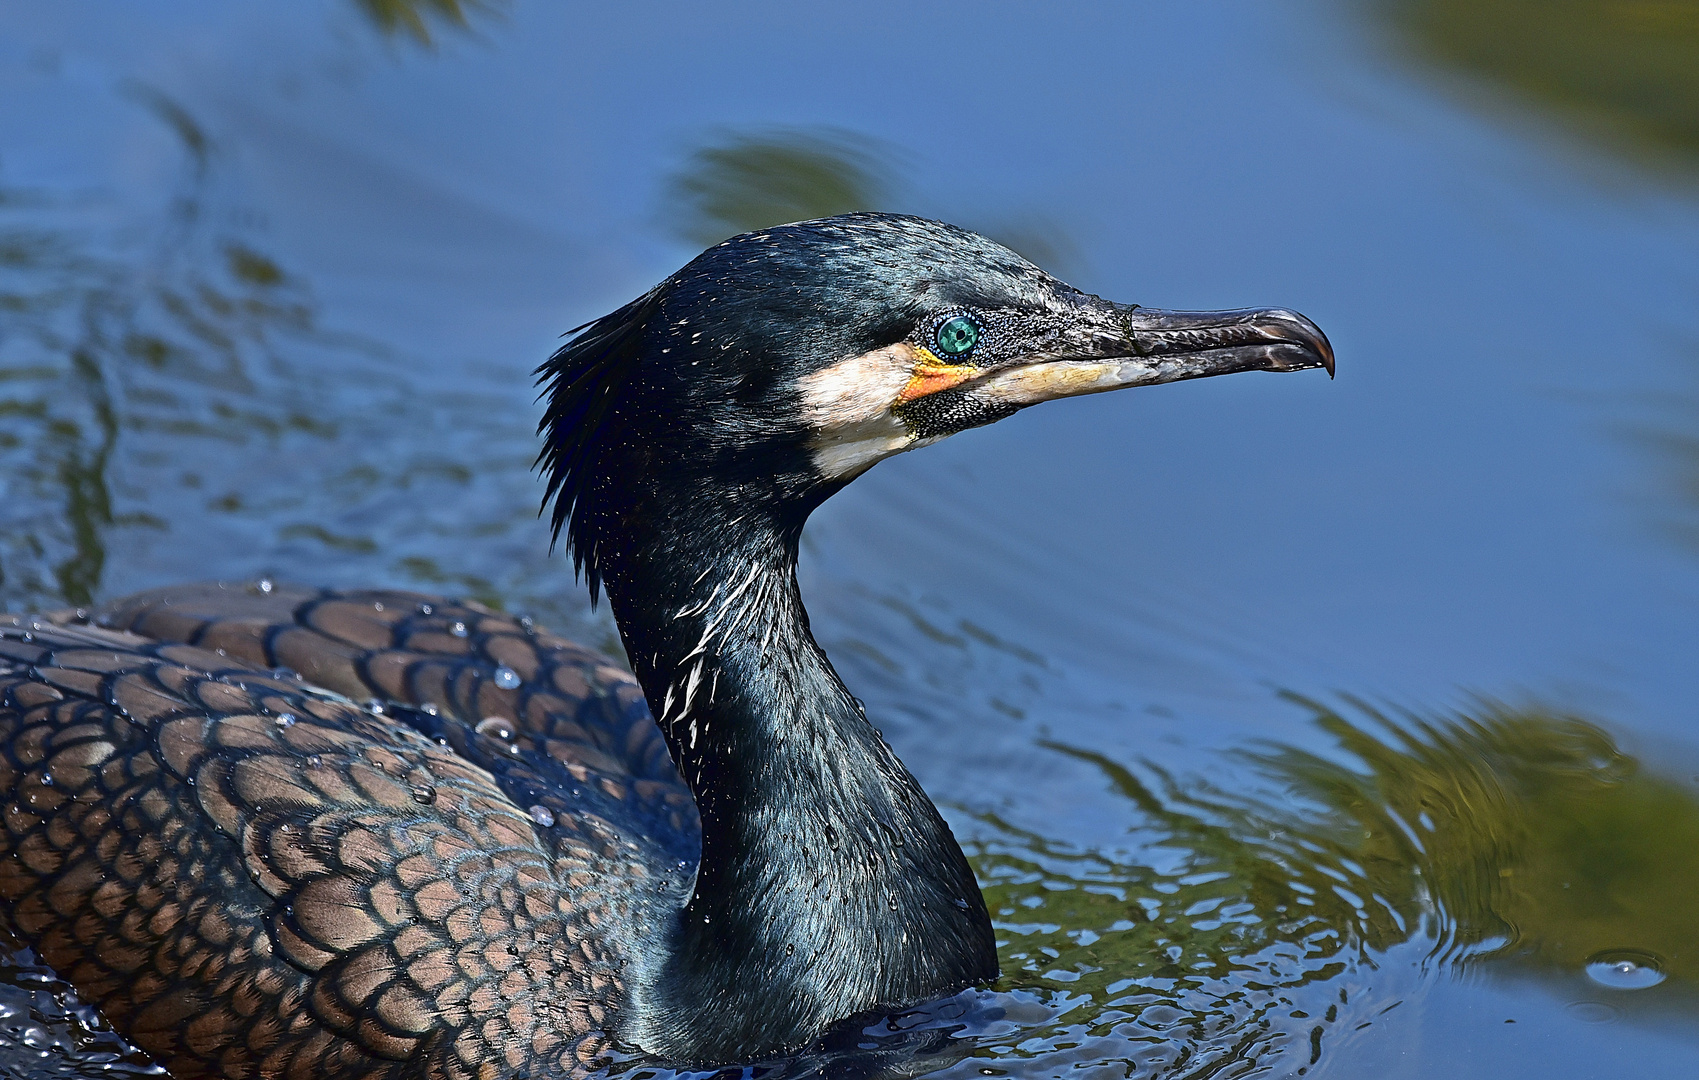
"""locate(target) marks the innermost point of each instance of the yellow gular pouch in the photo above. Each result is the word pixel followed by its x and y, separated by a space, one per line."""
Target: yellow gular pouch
pixel 932 375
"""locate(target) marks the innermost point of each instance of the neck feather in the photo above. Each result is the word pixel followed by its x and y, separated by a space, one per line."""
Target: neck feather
pixel 829 885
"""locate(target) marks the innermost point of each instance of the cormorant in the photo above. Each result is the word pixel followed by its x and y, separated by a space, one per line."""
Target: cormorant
pixel 499 865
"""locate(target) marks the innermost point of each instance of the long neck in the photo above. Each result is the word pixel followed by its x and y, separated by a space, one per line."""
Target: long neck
pixel 829 885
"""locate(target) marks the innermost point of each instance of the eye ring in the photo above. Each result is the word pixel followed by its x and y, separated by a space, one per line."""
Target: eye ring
pixel 956 335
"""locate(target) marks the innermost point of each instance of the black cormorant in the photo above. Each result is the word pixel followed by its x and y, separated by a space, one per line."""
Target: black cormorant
pixel 499 865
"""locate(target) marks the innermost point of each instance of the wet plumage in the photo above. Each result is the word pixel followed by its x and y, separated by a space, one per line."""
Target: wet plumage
pixel 279 832
pixel 253 877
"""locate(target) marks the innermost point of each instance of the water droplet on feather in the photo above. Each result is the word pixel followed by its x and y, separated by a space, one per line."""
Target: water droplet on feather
pixel 495 727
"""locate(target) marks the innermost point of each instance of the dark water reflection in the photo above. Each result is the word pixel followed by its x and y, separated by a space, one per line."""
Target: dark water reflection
pixel 1512 840
pixel 272 313
pixel 1512 837
pixel 1623 73
pixel 151 377
pixel 421 19
pixel 177 344
pixel 743 181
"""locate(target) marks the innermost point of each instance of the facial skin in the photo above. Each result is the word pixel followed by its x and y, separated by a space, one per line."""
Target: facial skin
pixel 902 396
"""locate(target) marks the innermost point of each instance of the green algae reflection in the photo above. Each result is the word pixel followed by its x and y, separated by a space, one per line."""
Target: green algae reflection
pixel 1624 72
pixel 1514 840
pixel 741 181
pixel 416 19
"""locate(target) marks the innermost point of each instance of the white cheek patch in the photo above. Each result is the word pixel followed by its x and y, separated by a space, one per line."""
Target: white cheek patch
pixel 848 453
pixel 848 405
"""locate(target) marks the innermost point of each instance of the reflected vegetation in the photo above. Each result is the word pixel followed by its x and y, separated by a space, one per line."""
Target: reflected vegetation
pixel 180 342
pixel 150 381
pixel 1625 72
pixel 748 181
pixel 1510 840
pixel 417 18
pixel 742 181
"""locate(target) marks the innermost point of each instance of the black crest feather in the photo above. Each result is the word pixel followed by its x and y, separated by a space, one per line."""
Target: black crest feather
pixel 583 382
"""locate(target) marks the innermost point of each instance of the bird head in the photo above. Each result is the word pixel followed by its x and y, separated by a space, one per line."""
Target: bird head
pixel 779 365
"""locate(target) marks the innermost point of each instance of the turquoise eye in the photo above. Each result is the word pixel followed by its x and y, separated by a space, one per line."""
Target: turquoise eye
pixel 957 335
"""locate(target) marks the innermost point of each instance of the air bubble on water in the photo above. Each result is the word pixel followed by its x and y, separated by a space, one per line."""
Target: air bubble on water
pixel 495 727
pixel 46 779
pixel 507 678
pixel 543 816
pixel 285 719
pixel 428 709
pixel 264 585
pixel 1625 969
pixel 314 761
pixel 423 794
pixel 458 628
pixel 374 705
pixel 1593 1012
pixel 425 609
